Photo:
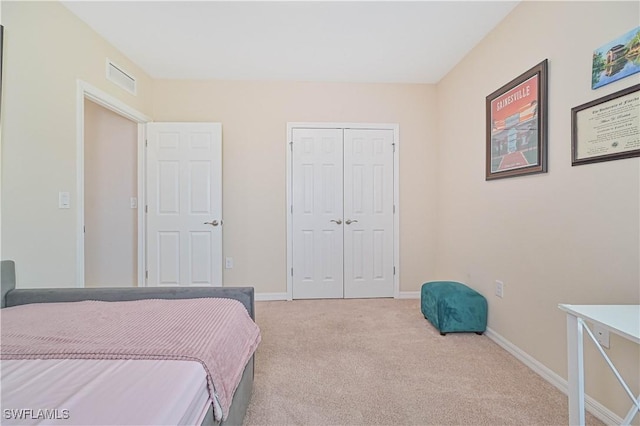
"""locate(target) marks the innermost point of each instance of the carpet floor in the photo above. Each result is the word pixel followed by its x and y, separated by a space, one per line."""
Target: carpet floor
pixel 378 361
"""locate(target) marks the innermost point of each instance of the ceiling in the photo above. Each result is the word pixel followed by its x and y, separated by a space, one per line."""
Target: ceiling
pixel 382 41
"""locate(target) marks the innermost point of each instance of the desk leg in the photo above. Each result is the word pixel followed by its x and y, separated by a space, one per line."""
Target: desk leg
pixel 632 413
pixel 576 370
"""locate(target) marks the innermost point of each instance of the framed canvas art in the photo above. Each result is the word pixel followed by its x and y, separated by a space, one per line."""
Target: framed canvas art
pixel 617 59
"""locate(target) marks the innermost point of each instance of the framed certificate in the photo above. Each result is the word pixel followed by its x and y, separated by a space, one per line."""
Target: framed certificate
pixel 607 128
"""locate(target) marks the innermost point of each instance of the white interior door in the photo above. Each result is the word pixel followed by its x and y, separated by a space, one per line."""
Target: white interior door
pixel 343 218
pixel 184 204
pixel 368 213
pixel 317 213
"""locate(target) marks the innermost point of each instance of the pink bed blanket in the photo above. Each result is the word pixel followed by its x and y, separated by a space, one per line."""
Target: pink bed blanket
pixel 219 333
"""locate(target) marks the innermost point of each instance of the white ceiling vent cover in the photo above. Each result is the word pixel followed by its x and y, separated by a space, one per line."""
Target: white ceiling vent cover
pixel 120 77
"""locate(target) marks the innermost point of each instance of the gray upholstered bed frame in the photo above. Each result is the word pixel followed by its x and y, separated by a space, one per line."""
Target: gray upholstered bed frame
pixel 14 297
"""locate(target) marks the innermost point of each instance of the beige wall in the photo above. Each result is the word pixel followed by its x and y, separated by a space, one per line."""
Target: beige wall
pixel 571 235
pixel 111 179
pixel 46 50
pixel 254 117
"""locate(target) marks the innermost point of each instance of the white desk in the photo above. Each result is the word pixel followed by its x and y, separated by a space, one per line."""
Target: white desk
pixel 623 320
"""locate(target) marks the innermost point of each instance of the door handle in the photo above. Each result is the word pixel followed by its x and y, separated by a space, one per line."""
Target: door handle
pixel 212 223
pixel 339 221
pixel 349 221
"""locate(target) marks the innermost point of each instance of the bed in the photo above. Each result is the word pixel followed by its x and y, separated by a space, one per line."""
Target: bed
pixel 118 389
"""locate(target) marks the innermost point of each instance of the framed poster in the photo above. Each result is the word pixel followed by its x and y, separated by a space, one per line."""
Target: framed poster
pixel 607 128
pixel 517 126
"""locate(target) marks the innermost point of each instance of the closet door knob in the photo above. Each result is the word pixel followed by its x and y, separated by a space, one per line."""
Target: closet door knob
pixel 339 221
pixel 212 223
pixel 349 221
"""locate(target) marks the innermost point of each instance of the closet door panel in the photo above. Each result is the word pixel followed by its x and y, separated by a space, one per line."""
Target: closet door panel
pixel 317 156
pixel 368 213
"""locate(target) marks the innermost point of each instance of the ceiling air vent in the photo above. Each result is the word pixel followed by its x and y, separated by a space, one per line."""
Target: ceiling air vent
pixel 120 77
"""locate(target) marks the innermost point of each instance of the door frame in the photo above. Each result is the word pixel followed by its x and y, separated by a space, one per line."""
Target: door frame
pixel 396 192
pixel 87 91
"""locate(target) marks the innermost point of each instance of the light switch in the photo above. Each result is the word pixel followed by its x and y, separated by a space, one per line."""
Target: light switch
pixel 134 202
pixel 64 200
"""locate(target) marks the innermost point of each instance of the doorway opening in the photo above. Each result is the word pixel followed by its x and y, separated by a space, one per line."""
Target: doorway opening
pixel 110 198
pixel 97 256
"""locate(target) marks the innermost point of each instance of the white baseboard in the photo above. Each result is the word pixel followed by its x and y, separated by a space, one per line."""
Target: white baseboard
pixel 283 296
pixel 261 297
pixel 593 406
pixel 408 295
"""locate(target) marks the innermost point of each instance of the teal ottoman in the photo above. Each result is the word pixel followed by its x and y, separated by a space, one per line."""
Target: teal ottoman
pixel 453 307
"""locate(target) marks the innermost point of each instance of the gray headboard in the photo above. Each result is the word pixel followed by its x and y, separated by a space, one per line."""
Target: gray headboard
pixel 7 278
pixel 13 297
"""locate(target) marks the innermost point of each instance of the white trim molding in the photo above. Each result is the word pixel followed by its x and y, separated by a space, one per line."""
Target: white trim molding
pixel 396 191
pixel 593 406
pixel 84 91
pixel 408 295
pixel 263 297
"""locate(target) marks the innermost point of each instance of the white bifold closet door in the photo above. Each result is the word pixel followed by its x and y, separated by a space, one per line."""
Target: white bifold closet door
pixel 184 204
pixel 342 213
pixel 368 213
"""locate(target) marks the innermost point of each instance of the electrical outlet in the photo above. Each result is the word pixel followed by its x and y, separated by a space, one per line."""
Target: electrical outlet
pixel 602 335
pixel 228 262
pixel 499 289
